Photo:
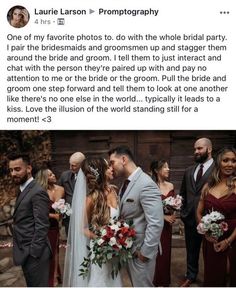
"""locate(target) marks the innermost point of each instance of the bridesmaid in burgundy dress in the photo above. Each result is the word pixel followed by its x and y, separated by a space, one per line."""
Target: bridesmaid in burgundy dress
pixel 220 195
pixel 160 173
pixel 47 179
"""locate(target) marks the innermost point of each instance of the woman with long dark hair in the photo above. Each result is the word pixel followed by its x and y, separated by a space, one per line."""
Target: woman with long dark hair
pixel 18 16
pixel 47 179
pixel 160 174
pixel 219 194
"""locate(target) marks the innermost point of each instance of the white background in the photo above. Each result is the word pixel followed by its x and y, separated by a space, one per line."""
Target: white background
pixel 174 17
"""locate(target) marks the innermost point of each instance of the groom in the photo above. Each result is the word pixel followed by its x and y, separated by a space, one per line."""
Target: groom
pixel 140 201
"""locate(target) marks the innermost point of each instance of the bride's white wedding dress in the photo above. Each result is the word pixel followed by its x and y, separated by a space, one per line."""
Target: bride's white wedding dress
pixel 77 243
pixel 101 277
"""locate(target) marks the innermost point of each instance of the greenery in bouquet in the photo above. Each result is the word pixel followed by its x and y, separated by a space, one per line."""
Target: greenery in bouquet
pixel 113 244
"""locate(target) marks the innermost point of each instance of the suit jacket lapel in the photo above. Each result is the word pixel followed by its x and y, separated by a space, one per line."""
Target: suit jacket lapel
pixel 23 194
pixel 193 182
pixel 71 181
pixel 129 187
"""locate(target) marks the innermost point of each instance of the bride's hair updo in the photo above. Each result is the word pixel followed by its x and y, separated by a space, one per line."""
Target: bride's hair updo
pixel 95 172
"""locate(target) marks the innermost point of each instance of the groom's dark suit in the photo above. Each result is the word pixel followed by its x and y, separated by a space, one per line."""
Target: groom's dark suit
pixel 191 191
pixel 31 248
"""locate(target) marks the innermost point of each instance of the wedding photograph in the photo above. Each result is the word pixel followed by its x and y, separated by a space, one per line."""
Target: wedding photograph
pixel 123 208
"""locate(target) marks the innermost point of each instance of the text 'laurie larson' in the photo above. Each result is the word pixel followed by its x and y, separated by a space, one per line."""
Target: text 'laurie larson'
pixel 101 11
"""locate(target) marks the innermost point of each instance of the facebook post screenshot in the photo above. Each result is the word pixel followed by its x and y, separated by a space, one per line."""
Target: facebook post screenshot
pixel 140 64
pixel 117 143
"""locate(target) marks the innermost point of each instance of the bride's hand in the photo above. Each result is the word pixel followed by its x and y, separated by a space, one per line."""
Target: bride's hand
pixel 139 255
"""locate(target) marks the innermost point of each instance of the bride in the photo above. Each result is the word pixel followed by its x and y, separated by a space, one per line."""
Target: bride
pixel 94 202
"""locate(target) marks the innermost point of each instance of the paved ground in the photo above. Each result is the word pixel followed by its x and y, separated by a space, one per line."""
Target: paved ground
pixel 11 276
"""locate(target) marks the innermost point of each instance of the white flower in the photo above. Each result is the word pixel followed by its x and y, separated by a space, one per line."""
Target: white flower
pixel 109 256
pixel 112 241
pixel 201 228
pixel 111 222
pixel 68 210
pixel 177 202
pixel 62 209
pixel 206 219
pixel 129 242
pixel 118 223
pixel 103 232
pixel 215 216
pixel 115 227
pixel 100 241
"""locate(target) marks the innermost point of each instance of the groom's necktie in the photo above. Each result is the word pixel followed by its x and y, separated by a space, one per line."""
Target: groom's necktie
pixel 199 173
pixel 122 191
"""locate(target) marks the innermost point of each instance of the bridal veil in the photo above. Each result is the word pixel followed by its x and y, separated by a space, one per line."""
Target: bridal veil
pixel 77 241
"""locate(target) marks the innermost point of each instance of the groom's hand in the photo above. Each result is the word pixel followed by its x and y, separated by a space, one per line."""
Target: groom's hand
pixel 139 255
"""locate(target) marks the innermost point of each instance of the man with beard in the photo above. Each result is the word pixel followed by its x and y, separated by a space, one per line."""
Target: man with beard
pixel 140 201
pixel 31 248
pixel 194 179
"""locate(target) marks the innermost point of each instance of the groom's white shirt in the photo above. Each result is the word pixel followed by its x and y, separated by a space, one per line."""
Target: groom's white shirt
pixel 132 175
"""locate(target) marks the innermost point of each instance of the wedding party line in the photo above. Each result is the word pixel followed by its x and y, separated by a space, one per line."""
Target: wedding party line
pixel 112 230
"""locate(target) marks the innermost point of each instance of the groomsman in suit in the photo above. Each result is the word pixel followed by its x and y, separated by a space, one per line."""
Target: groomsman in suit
pixel 31 248
pixel 193 181
pixel 67 180
pixel 140 201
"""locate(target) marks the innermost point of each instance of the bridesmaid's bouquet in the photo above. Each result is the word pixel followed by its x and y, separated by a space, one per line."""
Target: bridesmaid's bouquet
pixel 172 203
pixel 113 244
pixel 62 208
pixel 213 225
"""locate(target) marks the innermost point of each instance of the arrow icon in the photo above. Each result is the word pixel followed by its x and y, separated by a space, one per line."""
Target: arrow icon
pixel 91 11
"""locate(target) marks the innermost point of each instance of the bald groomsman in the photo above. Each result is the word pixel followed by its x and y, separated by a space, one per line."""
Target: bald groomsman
pixel 67 180
pixel 194 179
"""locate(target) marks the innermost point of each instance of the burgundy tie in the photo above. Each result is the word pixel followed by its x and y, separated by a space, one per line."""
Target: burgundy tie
pixel 199 173
pixel 122 191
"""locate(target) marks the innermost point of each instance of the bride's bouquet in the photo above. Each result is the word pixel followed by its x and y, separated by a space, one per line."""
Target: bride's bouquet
pixel 172 203
pixel 213 225
pixel 62 208
pixel 113 244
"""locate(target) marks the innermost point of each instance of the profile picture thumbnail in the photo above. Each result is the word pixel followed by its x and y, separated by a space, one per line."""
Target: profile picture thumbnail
pixel 18 16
